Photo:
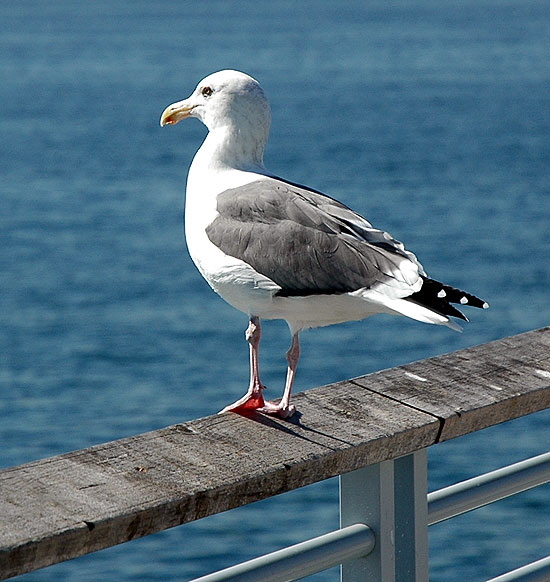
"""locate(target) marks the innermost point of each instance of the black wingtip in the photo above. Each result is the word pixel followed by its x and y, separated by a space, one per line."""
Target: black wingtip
pixel 439 297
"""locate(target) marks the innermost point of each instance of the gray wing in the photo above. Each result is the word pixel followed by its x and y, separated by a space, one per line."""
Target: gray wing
pixel 309 243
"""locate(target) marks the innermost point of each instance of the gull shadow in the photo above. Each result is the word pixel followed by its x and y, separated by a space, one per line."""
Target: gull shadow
pixel 286 425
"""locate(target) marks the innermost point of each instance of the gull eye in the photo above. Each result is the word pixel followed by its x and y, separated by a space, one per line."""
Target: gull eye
pixel 206 91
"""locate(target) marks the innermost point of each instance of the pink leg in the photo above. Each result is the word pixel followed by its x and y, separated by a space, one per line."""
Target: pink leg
pixel 253 399
pixel 292 357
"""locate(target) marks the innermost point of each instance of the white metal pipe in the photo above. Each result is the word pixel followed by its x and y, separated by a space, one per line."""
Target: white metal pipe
pixel 302 559
pixel 478 491
pixel 538 571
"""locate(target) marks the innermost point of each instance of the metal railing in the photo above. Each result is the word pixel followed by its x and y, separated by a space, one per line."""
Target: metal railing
pixel 391 498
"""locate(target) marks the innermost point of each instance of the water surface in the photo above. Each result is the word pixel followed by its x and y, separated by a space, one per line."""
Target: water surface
pixel 431 119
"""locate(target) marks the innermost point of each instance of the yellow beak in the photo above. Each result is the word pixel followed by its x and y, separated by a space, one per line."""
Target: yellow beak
pixel 176 112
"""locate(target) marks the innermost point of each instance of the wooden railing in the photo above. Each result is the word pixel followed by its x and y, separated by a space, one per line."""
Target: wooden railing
pixel 66 506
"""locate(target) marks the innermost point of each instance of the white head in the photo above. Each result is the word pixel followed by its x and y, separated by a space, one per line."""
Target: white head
pixel 234 108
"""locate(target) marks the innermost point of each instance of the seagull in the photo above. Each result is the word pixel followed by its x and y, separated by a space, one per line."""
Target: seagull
pixel 274 249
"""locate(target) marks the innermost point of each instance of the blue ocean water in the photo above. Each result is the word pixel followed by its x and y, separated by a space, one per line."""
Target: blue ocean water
pixel 432 119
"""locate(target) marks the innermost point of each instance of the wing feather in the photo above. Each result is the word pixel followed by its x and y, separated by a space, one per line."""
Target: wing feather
pixel 322 245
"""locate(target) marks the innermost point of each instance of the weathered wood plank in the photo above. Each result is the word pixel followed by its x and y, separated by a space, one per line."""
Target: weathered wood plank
pixel 474 388
pixel 88 500
pixel 66 506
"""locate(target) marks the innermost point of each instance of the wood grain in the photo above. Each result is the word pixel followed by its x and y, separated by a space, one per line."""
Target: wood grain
pixel 59 508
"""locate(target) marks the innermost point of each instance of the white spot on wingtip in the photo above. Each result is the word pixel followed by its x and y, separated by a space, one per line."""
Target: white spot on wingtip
pixel 415 377
pixel 485 305
pixel 463 300
pixel 442 294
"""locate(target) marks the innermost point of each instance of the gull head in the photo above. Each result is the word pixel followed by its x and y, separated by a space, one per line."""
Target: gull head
pixel 226 99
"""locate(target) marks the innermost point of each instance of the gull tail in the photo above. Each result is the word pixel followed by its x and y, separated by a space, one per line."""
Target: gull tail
pixel 439 298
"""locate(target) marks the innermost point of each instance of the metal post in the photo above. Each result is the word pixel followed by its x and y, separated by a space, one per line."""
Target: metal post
pixel 367 496
pixel 390 498
pixel 411 518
